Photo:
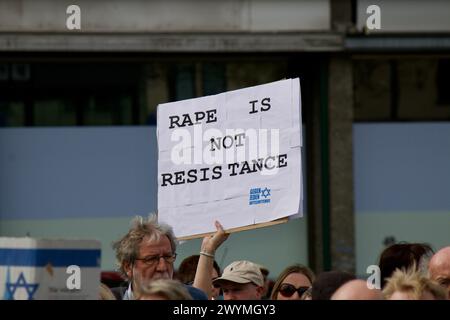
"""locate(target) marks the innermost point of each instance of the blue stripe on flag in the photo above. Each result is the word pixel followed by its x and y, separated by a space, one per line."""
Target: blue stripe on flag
pixel 56 257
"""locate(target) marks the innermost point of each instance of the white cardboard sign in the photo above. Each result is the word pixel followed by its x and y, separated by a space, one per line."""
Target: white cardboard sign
pixel 234 157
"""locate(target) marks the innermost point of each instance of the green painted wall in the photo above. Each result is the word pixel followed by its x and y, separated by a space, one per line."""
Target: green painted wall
pixel 372 228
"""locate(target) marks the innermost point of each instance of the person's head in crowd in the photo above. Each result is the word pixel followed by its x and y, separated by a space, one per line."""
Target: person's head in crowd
pixel 188 267
pixel 164 289
pixel 327 283
pixel 357 290
pixel 146 253
pixel 241 280
pixel 403 256
pixel 292 283
pixel 412 285
pixel 439 268
pixel 105 293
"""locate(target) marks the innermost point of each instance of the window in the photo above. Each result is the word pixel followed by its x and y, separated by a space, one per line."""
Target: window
pixel 98 93
pixel 401 89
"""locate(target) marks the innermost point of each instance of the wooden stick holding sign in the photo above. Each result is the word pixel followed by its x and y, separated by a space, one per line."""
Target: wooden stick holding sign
pixel 233 230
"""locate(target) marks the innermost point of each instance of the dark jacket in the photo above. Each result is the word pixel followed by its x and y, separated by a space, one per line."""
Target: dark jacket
pixel 195 293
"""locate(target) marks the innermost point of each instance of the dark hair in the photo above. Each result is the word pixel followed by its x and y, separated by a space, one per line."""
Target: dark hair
pixel 402 256
pixel 188 267
pixel 328 282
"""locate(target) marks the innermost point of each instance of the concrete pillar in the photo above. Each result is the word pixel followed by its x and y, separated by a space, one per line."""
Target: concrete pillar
pixel 314 169
pixel 340 115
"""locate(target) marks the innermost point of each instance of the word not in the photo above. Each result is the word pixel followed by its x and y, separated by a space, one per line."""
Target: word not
pixel 73 22
pixel 73 282
pixel 222 141
pixel 189 120
pixel 213 146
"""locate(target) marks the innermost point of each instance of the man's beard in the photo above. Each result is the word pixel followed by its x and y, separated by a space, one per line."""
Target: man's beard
pixel 159 275
pixel 140 282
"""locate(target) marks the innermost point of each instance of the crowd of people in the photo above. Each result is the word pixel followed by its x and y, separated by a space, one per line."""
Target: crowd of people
pixel 146 256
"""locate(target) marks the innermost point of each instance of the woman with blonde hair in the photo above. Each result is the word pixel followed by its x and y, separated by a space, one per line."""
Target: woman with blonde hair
pixel 105 293
pixel 165 289
pixel 292 283
pixel 412 285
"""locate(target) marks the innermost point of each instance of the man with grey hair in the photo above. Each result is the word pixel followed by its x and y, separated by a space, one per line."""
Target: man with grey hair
pixel 147 252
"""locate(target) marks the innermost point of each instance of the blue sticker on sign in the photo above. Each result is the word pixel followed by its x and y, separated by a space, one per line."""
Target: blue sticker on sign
pixel 259 195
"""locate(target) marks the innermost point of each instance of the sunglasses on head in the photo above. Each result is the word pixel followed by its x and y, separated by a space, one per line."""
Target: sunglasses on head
pixel 287 290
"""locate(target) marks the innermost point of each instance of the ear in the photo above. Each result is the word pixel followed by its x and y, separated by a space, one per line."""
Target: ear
pixel 259 292
pixel 128 267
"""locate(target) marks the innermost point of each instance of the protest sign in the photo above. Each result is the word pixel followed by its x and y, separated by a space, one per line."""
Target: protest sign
pixel 234 157
pixel 40 269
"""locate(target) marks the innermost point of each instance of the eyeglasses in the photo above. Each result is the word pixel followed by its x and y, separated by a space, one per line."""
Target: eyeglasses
pixel 152 260
pixel 287 290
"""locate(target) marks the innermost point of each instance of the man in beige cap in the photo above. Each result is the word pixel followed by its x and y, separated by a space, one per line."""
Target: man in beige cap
pixel 241 280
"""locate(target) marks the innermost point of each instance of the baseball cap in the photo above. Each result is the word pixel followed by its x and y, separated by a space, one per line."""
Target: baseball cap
pixel 242 272
pixel 265 272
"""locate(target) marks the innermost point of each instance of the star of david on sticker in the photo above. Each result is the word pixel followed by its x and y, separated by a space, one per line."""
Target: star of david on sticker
pixel 21 283
pixel 265 193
